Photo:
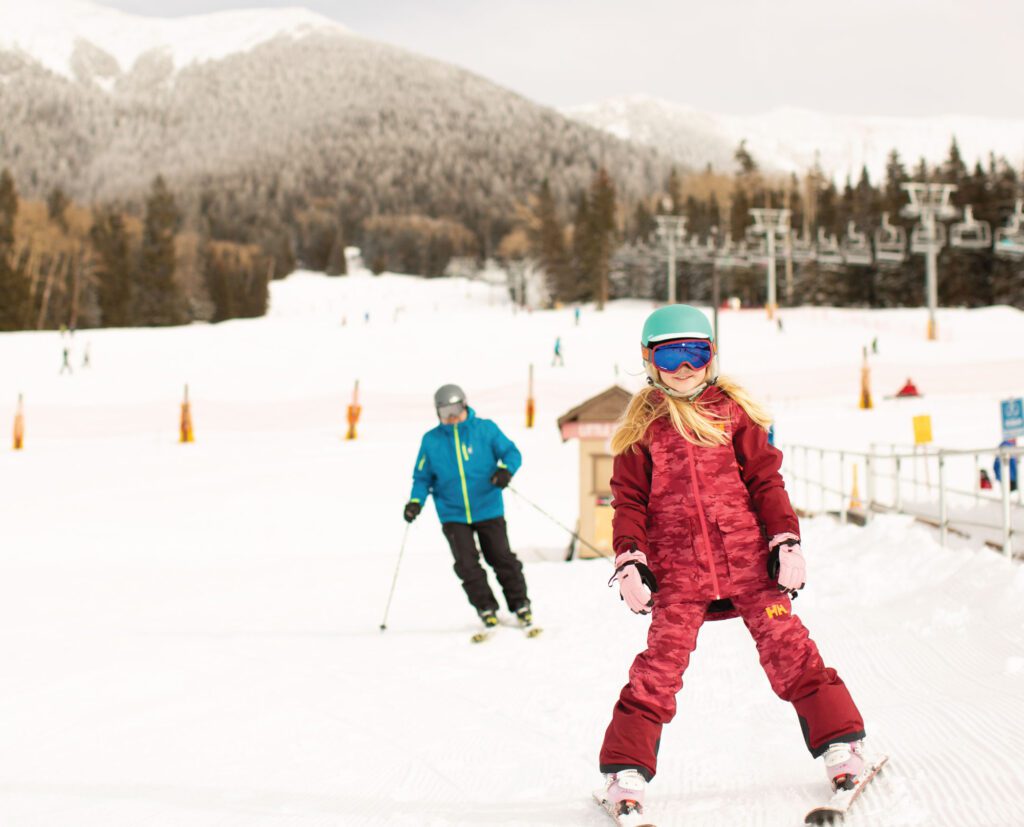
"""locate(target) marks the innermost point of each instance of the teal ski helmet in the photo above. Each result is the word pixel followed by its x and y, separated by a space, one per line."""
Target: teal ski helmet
pixel 676 321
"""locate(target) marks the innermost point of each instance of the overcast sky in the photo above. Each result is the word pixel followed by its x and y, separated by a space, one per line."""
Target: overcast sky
pixel 863 57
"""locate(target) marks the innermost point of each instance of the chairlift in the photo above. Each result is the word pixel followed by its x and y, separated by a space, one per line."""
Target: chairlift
pixel 970 234
pixel 890 243
pixel 829 252
pixel 1010 239
pixel 802 249
pixel 757 251
pixel 732 255
pixel 697 252
pixel 855 247
pixel 725 256
pixel 922 240
pixel 742 255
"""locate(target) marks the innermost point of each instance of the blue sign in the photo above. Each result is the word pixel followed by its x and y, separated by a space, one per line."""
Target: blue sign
pixel 1013 417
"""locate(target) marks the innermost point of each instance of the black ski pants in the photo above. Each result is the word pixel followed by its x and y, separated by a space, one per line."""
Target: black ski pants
pixel 499 556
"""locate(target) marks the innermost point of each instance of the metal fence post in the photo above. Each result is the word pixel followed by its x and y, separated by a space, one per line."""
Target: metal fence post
pixel 821 480
pixel 943 517
pixel 842 489
pixel 1007 529
pixel 869 487
pixel 896 482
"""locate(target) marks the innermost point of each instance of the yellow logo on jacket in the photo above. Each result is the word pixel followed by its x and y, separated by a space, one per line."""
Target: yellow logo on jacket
pixel 777 610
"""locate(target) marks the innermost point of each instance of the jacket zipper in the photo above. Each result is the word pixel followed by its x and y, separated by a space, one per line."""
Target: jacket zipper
pixel 462 474
pixel 703 521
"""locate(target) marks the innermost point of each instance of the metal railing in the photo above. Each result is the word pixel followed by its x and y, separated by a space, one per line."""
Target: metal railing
pixel 937 486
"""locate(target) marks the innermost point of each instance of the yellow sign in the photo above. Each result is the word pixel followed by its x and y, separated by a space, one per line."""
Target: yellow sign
pixel 922 429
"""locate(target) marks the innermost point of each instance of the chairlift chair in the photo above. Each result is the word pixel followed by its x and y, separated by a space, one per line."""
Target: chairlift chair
pixel 921 240
pixel 829 252
pixel 970 234
pixel 725 256
pixel 697 252
pixel 757 250
pixel 856 248
pixel 742 255
pixel 890 243
pixel 1010 239
pixel 802 249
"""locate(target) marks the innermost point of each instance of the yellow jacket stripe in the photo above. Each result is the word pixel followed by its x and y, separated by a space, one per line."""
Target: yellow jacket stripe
pixel 462 475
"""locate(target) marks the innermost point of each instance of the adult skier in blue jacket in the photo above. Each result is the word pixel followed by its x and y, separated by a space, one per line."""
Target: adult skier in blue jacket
pixel 465 462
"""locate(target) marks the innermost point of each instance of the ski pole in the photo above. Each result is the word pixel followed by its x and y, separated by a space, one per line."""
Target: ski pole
pixel 394 580
pixel 575 536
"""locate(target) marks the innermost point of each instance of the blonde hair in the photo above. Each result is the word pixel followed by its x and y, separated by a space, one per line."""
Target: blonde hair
pixel 693 420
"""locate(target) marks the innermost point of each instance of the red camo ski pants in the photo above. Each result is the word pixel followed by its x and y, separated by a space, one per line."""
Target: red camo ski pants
pixel 789 657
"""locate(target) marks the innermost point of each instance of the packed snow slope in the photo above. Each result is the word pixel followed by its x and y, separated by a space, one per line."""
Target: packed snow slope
pixel 190 633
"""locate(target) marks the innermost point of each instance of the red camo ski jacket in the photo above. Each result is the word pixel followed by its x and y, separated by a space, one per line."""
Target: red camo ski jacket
pixel 702 514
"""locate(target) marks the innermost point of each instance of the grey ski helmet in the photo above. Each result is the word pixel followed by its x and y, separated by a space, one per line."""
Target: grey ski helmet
pixel 448 395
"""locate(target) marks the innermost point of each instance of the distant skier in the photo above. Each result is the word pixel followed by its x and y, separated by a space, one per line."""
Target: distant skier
pixel 985 481
pixel 557 358
pixel 997 466
pixel 465 462
pixel 576 316
pixel 86 359
pixel 703 530
pixel 66 364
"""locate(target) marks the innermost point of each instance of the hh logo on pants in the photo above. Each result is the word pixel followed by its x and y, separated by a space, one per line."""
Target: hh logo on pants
pixel 778 610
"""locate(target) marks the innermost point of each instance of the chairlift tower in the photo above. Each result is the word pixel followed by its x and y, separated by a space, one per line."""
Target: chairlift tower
pixel 772 224
pixel 671 230
pixel 930 203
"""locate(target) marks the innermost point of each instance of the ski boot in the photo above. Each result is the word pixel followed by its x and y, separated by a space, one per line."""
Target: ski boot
pixel 489 617
pixel 844 763
pixel 524 615
pixel 623 797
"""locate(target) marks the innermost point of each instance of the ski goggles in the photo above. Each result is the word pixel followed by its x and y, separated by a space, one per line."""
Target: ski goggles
pixel 670 356
pixel 454 409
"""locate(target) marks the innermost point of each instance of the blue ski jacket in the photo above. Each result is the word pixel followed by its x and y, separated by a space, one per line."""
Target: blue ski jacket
pixel 455 464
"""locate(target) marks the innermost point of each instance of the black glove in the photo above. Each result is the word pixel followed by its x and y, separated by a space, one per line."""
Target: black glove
pixel 501 478
pixel 412 510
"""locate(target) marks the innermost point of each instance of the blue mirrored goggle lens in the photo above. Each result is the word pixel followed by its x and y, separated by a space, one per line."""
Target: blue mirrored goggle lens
pixel 673 356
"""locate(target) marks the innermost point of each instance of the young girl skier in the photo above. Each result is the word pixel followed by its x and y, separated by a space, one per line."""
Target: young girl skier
pixel 703 520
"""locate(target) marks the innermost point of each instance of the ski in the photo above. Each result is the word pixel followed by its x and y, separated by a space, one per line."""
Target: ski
pixel 632 817
pixel 487 634
pixel 833 810
pixel 528 628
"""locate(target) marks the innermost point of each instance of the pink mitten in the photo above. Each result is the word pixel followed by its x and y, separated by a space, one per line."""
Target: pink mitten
pixel 787 560
pixel 636 581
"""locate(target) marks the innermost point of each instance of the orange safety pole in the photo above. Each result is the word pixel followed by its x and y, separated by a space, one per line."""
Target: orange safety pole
pixel 353 413
pixel 186 420
pixel 19 426
pixel 529 401
pixel 865 384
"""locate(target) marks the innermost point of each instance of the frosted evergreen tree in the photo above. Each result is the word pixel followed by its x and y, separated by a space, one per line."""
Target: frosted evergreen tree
pixel 158 299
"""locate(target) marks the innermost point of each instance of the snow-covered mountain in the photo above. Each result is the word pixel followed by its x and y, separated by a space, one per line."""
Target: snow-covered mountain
pixel 279 106
pixel 789 140
pixel 62 34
